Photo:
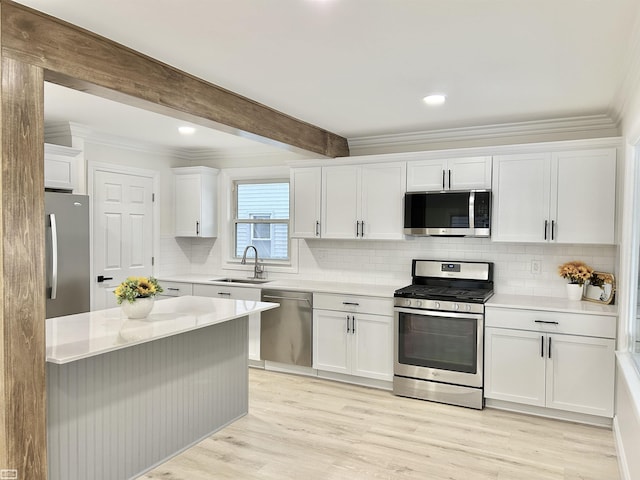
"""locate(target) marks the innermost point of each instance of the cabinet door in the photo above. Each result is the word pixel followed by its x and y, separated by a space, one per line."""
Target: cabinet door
pixel 383 187
pixel 187 205
pixel 426 175
pixel 306 196
pixel 340 191
pixel 330 341
pixel 515 366
pixel 471 173
pixel 585 203
pixel 580 374
pixel 521 192
pixel 372 346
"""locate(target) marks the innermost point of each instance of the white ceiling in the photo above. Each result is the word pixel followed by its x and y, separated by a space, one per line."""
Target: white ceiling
pixel 360 67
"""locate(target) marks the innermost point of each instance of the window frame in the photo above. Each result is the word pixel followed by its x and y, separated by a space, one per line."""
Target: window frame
pixel 228 179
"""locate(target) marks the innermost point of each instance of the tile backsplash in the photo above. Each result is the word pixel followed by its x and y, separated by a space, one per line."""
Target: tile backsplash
pixel 389 262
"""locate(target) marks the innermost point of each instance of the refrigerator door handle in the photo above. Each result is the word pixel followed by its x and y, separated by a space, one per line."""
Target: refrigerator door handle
pixel 54 256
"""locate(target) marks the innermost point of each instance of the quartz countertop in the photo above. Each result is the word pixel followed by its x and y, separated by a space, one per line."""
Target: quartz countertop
pixel 75 337
pixel 553 304
pixel 365 289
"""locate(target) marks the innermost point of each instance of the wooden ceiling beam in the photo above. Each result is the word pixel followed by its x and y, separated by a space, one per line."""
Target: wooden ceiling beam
pixel 79 59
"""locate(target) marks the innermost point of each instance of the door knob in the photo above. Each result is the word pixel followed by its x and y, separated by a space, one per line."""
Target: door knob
pixel 102 278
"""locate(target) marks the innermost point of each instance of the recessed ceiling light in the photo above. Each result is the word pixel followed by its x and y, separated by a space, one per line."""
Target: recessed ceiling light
pixel 187 130
pixel 435 99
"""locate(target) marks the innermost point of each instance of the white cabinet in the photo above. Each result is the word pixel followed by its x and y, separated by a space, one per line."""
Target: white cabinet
pixel 176 289
pixel 60 167
pixel 470 173
pixel 305 201
pixel 363 201
pixel 249 294
pixel 195 201
pixel 563 197
pixel 353 335
pixel 544 361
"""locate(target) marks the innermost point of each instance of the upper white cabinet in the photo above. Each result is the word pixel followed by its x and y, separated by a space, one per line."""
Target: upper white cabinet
pixel 563 197
pixel 471 173
pixel 60 167
pixel 196 201
pixel 306 196
pixel 363 201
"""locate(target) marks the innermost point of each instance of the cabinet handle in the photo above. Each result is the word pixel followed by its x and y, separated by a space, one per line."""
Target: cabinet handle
pixel 553 226
pixel 443 179
pixel 355 304
pixel 353 324
pixel 348 318
pixel 197 228
pixel 449 179
pixel 548 323
pixel 362 228
pixel 224 293
pixel 357 229
pixel 542 346
pixel 546 224
pixel 317 229
pixel 173 289
pixel 549 347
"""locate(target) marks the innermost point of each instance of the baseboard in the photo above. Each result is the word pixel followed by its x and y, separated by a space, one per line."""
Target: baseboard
pixel 622 457
pixel 354 380
pixel 549 413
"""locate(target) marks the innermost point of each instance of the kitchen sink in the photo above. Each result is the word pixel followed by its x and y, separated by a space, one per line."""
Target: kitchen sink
pixel 239 280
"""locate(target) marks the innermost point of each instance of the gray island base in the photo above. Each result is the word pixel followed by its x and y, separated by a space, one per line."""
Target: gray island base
pixel 138 394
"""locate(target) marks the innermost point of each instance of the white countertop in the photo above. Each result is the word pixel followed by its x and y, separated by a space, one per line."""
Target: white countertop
pixel 553 304
pixel 301 285
pixel 74 337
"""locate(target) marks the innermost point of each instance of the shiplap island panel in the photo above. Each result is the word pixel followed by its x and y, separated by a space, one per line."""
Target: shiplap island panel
pixel 125 395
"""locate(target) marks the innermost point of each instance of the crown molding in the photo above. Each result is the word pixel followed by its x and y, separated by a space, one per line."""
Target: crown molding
pixel 569 128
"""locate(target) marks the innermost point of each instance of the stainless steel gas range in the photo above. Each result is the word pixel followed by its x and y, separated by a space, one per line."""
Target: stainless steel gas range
pixel 439 332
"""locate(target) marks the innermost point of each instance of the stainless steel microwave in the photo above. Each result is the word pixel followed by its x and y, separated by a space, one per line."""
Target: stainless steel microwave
pixel 452 214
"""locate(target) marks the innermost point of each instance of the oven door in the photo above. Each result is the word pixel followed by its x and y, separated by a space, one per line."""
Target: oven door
pixel 443 347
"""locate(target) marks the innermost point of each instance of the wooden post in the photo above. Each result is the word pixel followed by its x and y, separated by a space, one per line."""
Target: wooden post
pixel 23 439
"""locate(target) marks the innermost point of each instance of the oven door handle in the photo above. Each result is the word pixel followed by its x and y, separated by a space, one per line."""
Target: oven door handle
pixel 438 313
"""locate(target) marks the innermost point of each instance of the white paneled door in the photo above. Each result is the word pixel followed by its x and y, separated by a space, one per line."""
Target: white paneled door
pixel 122 232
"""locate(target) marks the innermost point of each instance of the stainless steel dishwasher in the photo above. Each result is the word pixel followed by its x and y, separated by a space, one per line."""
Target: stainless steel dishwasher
pixel 286 332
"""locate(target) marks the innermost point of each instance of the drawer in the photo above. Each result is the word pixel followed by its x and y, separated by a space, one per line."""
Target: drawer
pixel 353 303
pixel 175 289
pixel 224 291
pixel 552 322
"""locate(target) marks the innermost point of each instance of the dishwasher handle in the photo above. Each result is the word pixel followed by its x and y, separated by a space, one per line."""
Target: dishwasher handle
pixel 277 297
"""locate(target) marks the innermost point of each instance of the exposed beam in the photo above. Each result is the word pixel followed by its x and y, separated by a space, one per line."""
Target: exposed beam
pixel 23 439
pixel 79 59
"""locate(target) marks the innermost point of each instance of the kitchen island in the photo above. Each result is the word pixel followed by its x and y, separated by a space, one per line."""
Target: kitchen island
pixel 125 395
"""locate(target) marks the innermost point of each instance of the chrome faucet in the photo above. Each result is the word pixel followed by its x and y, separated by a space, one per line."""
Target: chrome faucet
pixel 258 269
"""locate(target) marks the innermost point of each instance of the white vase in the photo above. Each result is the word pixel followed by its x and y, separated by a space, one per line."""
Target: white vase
pixel 574 291
pixel 140 308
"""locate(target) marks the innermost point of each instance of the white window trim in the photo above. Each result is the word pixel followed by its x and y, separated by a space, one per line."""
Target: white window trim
pixel 227 178
pixel 269 217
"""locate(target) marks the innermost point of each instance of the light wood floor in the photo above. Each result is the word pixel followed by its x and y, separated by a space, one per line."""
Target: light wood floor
pixel 305 429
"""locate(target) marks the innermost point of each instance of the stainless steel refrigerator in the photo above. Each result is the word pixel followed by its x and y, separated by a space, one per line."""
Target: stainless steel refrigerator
pixel 67 253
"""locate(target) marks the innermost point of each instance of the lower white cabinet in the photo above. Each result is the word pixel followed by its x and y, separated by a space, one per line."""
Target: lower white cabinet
pixel 237 293
pixel 175 289
pixel 351 342
pixel 542 362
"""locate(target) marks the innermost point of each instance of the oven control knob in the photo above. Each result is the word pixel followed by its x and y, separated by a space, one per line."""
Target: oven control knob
pixel 419 303
pixel 468 308
pixel 437 305
pixel 407 302
pixel 456 306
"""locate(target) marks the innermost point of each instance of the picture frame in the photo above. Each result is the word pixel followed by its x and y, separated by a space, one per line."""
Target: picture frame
pixel 600 289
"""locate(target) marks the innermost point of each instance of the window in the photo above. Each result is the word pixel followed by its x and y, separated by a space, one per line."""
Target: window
pixel 262 218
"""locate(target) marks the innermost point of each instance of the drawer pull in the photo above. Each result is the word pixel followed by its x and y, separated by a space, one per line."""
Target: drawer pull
pixel 548 323
pixel 224 293
pixel 355 304
pixel 173 289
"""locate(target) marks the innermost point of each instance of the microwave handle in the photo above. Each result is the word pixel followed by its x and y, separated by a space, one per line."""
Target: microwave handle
pixel 472 210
